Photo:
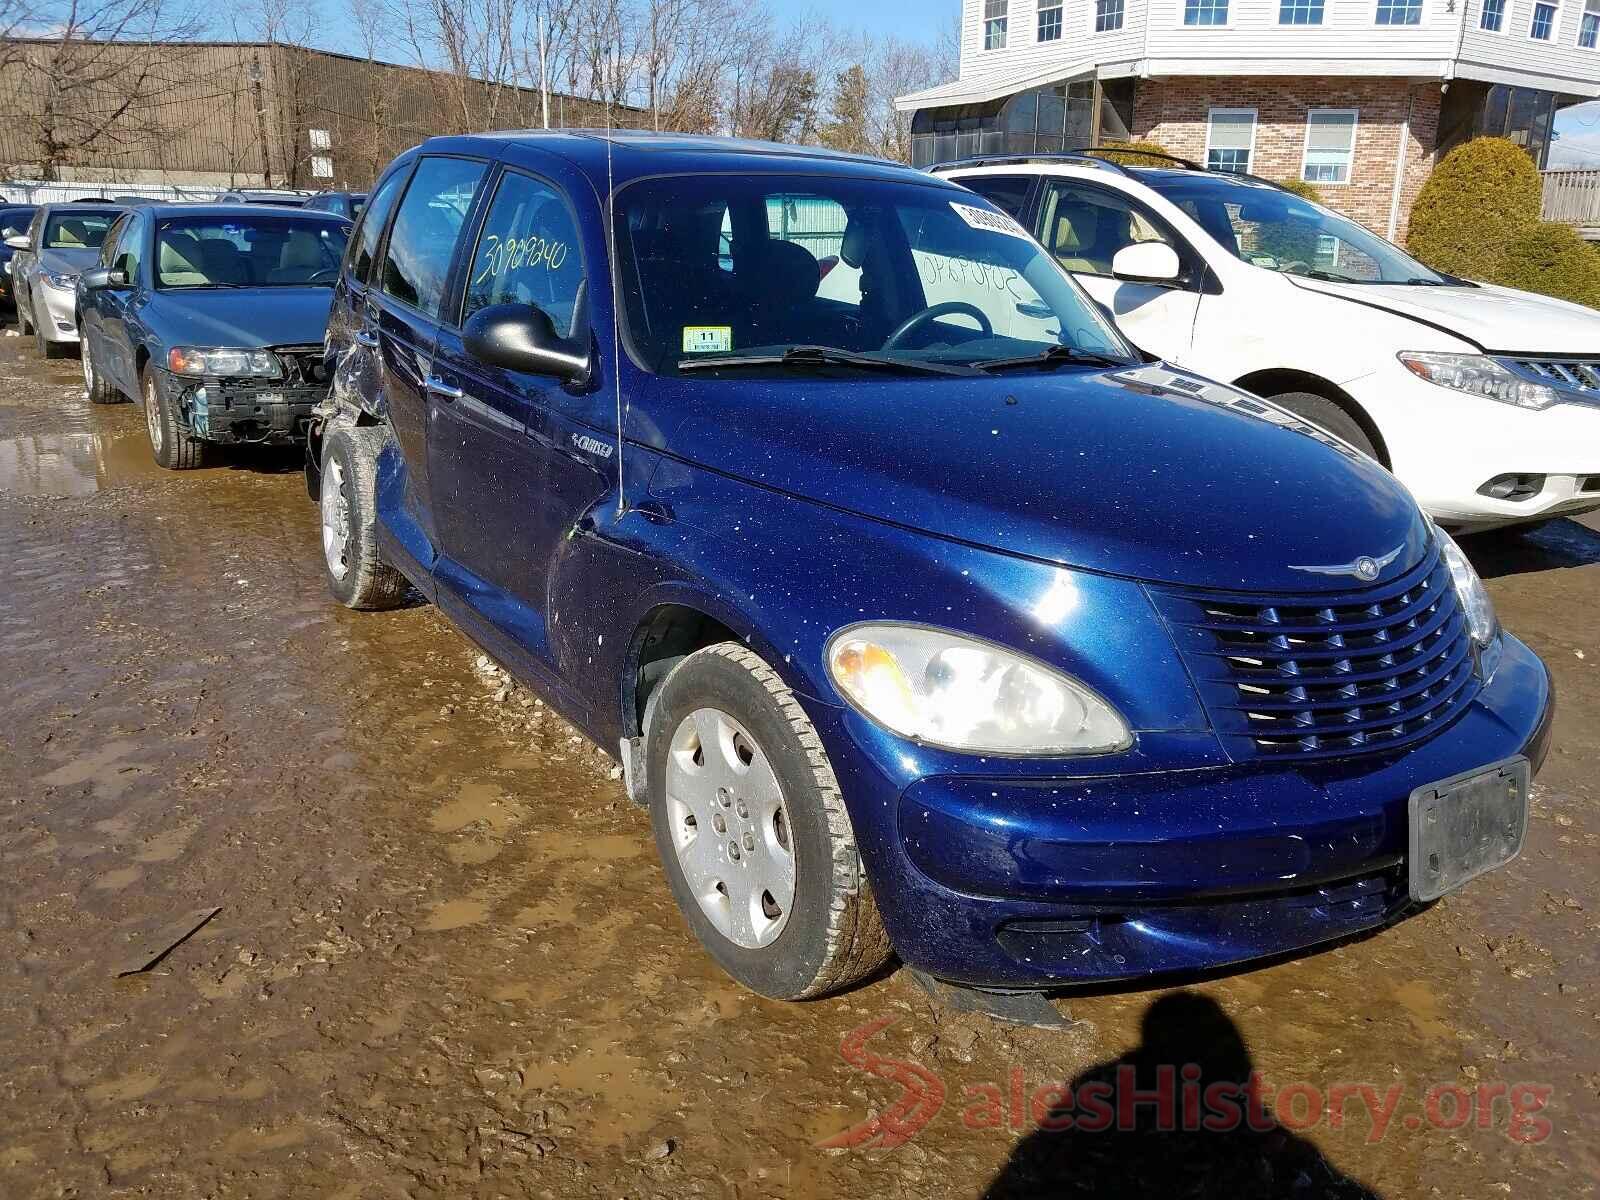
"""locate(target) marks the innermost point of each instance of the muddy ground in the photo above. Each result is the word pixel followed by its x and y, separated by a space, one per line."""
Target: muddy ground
pixel 446 964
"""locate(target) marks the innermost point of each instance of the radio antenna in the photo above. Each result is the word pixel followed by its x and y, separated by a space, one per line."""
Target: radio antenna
pixel 616 297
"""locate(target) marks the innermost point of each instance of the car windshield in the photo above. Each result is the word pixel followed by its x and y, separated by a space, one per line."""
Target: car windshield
pixel 1271 228
pixel 246 250
pixel 76 230
pixel 744 268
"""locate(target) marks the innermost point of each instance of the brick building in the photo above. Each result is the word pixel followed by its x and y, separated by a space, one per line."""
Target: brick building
pixel 1359 97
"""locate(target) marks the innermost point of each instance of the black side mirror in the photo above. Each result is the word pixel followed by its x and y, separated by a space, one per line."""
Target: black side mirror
pixel 521 337
pixel 98 278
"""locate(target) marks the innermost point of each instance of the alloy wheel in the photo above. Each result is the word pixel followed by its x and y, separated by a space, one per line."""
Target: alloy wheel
pixel 335 509
pixel 730 828
pixel 152 417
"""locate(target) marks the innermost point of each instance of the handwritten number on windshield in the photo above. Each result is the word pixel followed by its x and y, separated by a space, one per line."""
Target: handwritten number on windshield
pixel 501 255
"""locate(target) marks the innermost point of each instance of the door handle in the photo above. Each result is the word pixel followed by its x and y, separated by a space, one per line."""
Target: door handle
pixel 366 339
pixel 438 387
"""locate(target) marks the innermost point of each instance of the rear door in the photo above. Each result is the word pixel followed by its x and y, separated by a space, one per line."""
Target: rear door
pixel 1084 225
pixel 403 306
pixel 498 441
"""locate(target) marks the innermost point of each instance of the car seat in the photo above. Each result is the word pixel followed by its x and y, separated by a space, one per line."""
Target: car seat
pixel 179 262
pixel 300 258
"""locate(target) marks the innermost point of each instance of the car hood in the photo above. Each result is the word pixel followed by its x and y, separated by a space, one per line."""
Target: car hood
pixel 1149 472
pixel 1497 319
pixel 278 316
pixel 67 262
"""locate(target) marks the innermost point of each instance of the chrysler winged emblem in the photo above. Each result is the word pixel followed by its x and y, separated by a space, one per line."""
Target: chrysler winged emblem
pixel 1366 568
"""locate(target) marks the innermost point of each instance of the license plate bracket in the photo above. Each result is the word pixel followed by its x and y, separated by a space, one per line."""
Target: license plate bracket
pixel 1466 825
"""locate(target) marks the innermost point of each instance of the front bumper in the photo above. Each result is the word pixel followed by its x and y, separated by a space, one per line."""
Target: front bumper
pixel 240 412
pixel 1446 445
pixel 1038 882
pixel 58 307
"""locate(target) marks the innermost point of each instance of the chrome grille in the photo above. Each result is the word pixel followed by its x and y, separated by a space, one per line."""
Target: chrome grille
pixel 1315 676
pixel 1578 377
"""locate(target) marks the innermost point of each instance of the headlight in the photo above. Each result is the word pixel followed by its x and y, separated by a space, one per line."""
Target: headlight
pixel 963 694
pixel 1481 622
pixel 1480 376
pixel 260 364
pixel 64 281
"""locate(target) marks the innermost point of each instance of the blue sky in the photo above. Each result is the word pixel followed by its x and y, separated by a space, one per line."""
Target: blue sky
pixel 908 18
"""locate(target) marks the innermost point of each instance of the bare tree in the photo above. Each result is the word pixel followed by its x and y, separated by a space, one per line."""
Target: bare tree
pixel 95 87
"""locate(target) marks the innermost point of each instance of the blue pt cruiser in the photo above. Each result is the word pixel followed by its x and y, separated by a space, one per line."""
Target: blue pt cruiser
pixel 923 613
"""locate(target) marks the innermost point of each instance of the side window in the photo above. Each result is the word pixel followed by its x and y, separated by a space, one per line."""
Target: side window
pixel 35 226
pixel 108 248
pixel 1084 228
pixel 527 253
pixel 426 227
pixel 1009 193
pixel 126 255
pixel 364 243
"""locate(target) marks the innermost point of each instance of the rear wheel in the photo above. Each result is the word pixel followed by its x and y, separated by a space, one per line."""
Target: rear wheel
pixel 752 830
pixel 1319 410
pixel 95 385
pixel 358 576
pixel 171 445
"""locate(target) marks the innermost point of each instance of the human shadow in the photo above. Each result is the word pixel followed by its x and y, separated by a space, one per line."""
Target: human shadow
pixel 1182 1114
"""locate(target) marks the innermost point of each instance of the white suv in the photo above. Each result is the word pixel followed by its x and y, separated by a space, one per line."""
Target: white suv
pixel 1484 401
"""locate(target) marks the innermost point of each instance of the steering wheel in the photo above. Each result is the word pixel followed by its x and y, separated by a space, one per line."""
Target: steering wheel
pixel 316 275
pixel 932 313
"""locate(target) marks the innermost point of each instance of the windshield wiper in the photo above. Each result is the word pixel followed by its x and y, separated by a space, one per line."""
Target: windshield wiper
pixel 1055 356
pixel 820 356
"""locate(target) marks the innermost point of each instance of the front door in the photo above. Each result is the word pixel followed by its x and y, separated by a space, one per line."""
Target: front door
pixel 403 312
pixel 495 432
pixel 1084 226
pixel 118 307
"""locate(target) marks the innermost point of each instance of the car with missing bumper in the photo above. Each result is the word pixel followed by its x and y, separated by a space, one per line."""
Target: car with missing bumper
pixel 1485 401
pixel 61 240
pixel 211 317
pixel 921 610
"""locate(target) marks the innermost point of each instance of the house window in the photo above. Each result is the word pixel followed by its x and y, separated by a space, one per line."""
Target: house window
pixel 1230 136
pixel 1205 12
pixel 1493 16
pixel 1049 21
pixel 1544 22
pixel 1330 145
pixel 1589 25
pixel 1399 12
pixel 321 166
pixel 1300 12
pixel 994 24
pixel 1108 15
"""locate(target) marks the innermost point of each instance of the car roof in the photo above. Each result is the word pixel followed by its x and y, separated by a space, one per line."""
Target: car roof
pixel 237 209
pixel 628 154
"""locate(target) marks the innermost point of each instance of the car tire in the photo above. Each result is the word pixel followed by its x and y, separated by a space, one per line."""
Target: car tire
pixel 1321 411
pixel 95 385
pixel 171 446
pixel 358 576
pixel 47 348
pixel 721 722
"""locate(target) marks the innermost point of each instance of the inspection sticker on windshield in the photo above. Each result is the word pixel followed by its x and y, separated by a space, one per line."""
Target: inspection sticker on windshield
pixel 991 222
pixel 707 339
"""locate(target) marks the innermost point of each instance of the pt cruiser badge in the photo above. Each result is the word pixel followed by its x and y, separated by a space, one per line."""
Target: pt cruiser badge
pixel 1365 568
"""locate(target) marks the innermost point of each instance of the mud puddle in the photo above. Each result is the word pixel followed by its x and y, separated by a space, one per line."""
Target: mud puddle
pixel 72 464
pixel 446 964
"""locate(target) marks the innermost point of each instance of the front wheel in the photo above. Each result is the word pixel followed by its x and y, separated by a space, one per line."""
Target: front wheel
pixel 753 833
pixel 170 444
pixel 358 576
pixel 1319 410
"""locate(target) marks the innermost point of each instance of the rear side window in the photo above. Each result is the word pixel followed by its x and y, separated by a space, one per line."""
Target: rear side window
pixel 527 253
pixel 1007 192
pixel 426 228
pixel 364 245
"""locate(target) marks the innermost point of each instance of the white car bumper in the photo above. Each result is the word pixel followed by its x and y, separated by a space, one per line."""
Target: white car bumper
pixel 1446 446
pixel 57 306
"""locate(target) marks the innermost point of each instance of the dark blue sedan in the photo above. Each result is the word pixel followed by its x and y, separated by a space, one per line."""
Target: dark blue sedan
pixel 919 608
pixel 212 318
